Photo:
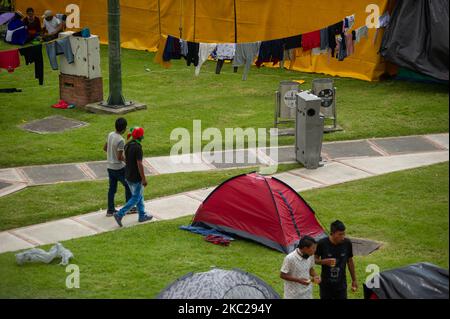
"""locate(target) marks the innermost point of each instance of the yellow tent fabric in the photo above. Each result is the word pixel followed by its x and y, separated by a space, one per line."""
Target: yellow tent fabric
pixel 144 21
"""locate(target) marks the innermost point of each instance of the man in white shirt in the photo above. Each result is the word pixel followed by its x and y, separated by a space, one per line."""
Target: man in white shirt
pixel 298 271
pixel 52 26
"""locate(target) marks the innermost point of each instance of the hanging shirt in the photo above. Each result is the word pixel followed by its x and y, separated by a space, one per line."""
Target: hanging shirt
pixel 245 55
pixel 349 43
pixel 172 50
pixel 333 30
pixel 349 21
pixel 52 25
pixel 270 51
pixel 292 42
pixel 225 51
pixel 324 39
pixel 361 32
pixel 33 54
pixel 9 60
pixel 58 47
pixel 311 40
pixel 205 49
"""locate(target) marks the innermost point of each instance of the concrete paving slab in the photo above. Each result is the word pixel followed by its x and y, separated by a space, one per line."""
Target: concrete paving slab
pixel 387 164
pixel 332 173
pixel 285 154
pixel 11 175
pixel 99 169
pixel 4 185
pixel 403 145
pixel 10 242
pixel 440 139
pixel 349 149
pixel 52 124
pixel 52 232
pixel 47 174
pixel 11 188
pixel 179 163
pixel 100 221
pixel 172 207
pixel 201 194
pixel 233 158
pixel 296 182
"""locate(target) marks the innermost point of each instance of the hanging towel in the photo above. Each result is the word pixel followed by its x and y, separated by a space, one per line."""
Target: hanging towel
pixel 324 39
pixel 311 40
pixel 205 49
pixel 245 55
pixel 33 54
pixel 292 42
pixel 9 60
pixel 58 47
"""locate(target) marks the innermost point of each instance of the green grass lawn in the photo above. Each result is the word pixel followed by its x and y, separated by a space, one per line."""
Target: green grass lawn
pixel 175 97
pixel 41 204
pixel 407 210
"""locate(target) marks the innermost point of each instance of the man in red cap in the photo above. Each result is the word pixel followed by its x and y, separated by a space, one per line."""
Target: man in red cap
pixel 135 177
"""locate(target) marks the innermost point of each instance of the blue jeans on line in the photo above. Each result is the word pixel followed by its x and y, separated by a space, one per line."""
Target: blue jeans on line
pixel 137 199
pixel 115 176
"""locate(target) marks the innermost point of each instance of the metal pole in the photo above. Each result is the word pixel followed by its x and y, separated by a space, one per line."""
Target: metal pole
pixel 115 69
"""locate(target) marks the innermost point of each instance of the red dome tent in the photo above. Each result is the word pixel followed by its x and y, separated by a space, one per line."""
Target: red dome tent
pixel 263 209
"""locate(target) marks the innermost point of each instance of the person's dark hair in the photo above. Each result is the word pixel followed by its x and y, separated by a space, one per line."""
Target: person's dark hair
pixel 121 124
pixel 306 241
pixel 30 10
pixel 337 225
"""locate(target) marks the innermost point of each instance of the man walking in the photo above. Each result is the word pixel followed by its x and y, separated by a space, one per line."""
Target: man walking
pixel 135 177
pixel 334 253
pixel 114 148
pixel 298 270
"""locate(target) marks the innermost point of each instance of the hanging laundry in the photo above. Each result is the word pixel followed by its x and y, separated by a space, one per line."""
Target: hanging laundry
pixel 192 55
pixel 349 43
pixel 333 30
pixel 349 21
pixel 183 48
pixel 33 54
pixel 383 21
pixel 244 55
pixel 225 51
pixel 204 51
pixel 361 32
pixel 270 51
pixel 318 51
pixel 289 55
pixel 311 40
pixel 341 47
pixel 292 42
pixel 159 54
pixel 172 50
pixel 9 60
pixel 324 39
pixel 58 47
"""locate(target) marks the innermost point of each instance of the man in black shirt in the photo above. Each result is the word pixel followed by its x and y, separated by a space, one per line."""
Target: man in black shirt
pixel 135 177
pixel 334 253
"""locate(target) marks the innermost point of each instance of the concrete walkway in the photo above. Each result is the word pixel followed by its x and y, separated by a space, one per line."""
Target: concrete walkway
pixel 345 161
pixel 15 179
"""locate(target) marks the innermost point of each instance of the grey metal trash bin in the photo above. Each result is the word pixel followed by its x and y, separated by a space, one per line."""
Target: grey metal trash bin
pixel 324 88
pixel 285 102
pixel 309 130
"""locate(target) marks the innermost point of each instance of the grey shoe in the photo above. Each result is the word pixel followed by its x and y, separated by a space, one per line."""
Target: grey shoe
pixel 146 218
pixel 118 219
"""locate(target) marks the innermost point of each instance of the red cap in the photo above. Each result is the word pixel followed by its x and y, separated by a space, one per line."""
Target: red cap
pixel 137 133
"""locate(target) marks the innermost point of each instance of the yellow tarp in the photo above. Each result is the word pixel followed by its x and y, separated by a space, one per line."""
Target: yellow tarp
pixel 143 21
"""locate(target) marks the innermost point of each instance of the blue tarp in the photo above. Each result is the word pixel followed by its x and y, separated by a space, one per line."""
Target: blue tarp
pixel 205 231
